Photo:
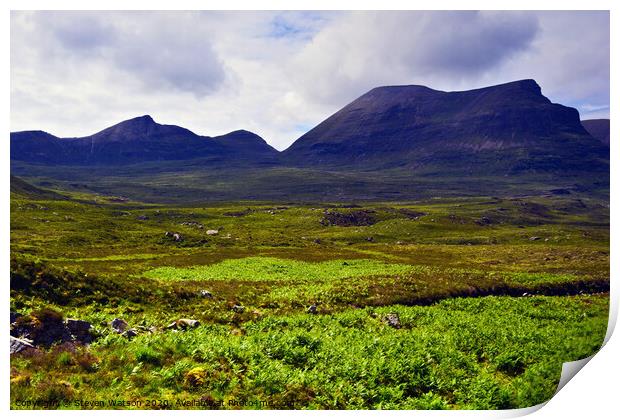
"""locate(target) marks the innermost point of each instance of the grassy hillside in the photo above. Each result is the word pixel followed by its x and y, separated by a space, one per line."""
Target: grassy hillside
pixel 492 295
pixel 196 182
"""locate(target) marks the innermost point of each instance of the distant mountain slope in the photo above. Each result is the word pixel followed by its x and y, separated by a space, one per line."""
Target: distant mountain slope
pixel 599 129
pixel 139 140
pixel 24 189
pixel 499 129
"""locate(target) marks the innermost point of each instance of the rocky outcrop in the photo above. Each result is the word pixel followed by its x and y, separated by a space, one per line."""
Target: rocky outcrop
pixel 47 327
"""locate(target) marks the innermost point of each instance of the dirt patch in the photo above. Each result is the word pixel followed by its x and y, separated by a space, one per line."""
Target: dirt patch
pixel 352 218
pixel 238 213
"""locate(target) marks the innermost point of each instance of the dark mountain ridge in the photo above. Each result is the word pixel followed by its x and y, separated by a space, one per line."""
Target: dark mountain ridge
pixel 394 142
pixel 138 140
pixel 505 128
pixel 598 128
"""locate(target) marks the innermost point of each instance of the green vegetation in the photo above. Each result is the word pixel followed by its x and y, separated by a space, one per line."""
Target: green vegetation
pixel 492 294
pixel 265 269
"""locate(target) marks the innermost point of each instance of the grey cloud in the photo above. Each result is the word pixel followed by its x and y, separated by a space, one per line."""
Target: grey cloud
pixel 467 42
pixel 172 51
pixel 366 49
pixel 83 33
pixel 178 60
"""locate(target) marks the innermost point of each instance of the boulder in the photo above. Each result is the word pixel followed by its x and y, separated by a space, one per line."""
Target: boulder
pixel 183 324
pixel 238 309
pixel 42 328
pixel 144 328
pixel 18 345
pixel 175 236
pixel 392 320
pixel 312 309
pixel 80 330
pixel 130 333
pixel 212 232
pixel 535 238
pixel 206 294
pixel 119 325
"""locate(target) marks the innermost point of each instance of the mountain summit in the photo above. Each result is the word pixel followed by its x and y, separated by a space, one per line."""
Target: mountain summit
pixel 504 128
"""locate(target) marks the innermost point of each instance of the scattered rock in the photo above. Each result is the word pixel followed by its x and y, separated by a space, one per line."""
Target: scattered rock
pixel 535 238
pixel 193 224
pixel 392 319
pixel 147 329
pixel 206 294
pixel 238 309
pixel 130 333
pixel 19 345
pixel 483 221
pixel 317 241
pixel 119 325
pixel 183 324
pixel 312 309
pixel 212 232
pixel 175 236
pixel 370 239
pixel 142 217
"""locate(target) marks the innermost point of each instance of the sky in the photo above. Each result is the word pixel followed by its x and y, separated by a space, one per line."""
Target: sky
pixel 279 74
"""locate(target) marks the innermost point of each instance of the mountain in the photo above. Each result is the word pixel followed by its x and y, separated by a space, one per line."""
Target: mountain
pixel 599 129
pixel 392 143
pixel 139 140
pixel 504 129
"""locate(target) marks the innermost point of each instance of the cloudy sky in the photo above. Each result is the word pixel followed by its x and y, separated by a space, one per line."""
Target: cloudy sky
pixel 280 73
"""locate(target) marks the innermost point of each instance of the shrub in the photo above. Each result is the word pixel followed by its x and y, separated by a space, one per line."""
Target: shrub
pixel 196 377
pixel 148 355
